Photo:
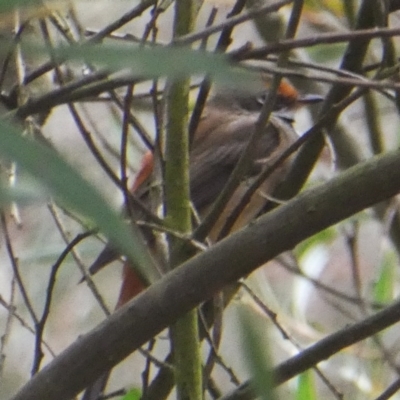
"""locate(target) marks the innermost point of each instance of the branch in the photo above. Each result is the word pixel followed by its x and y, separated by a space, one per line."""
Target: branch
pixel 311 41
pixel 184 333
pixel 231 22
pixel 202 276
pixel 324 349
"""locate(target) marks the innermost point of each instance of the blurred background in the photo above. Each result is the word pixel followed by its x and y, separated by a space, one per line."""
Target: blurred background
pixel 334 279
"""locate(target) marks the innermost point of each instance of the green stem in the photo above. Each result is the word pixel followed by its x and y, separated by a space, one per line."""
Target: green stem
pixel 184 333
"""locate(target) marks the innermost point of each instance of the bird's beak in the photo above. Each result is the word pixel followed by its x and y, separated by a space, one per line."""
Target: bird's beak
pixel 309 99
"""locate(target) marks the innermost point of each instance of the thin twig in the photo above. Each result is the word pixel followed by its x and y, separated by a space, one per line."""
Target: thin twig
pixel 38 353
pixel 272 315
pixel 9 54
pixel 223 43
pixel 231 22
pixel 295 269
pixel 127 17
pixel 78 261
pixel 5 337
pixel 11 309
pixel 392 389
pixel 124 148
pixel 147 368
pixel 15 266
pixel 358 81
pixel 322 38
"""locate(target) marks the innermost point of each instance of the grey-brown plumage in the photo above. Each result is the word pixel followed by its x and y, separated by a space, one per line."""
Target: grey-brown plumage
pixel 224 130
pixel 226 125
pixel 221 138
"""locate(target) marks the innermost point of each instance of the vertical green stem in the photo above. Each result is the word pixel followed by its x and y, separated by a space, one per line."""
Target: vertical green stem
pixel 184 333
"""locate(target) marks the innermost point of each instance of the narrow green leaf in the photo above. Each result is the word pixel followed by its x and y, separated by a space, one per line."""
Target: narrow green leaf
pixel 7 5
pixel 25 193
pixel 306 387
pixel 173 62
pixel 256 355
pixel 71 189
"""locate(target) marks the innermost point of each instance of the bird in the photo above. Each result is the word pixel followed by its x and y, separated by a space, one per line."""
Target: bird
pixel 224 129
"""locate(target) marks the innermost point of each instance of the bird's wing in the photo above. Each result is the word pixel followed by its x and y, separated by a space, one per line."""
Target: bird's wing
pixel 139 187
pixel 215 155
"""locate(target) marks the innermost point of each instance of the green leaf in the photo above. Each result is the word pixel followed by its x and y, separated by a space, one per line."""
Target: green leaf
pixel 72 190
pixel 173 62
pixel 8 5
pixel 256 354
pixel 306 387
pixel 25 193
pixel 133 394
